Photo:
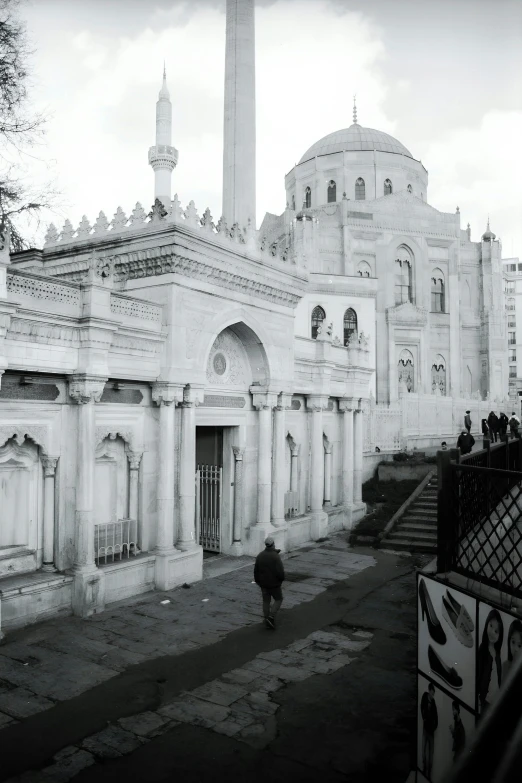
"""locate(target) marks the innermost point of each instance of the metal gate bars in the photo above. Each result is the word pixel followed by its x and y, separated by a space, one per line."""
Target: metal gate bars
pixel 208 506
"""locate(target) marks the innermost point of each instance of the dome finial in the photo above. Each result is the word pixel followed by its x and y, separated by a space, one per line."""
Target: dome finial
pixel 164 70
pixel 354 110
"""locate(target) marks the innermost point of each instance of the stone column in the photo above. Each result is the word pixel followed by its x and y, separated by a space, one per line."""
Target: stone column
pixel 319 522
pixel 238 499
pixel 348 463
pixel 264 403
pixel 165 395
pixel 294 468
pixel 88 586
pixel 327 473
pixel 134 458
pixel 49 466
pixel 278 465
pixel 187 468
pixel 358 456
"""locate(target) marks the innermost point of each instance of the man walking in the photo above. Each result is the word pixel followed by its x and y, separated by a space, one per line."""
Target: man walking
pixel 465 442
pixel 502 424
pixel 493 426
pixel 514 424
pixel 467 421
pixel 269 574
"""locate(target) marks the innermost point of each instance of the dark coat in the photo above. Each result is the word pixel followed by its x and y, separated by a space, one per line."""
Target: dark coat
pixel 485 427
pixel 503 423
pixel 493 422
pixel 459 736
pixel 268 569
pixel 430 716
pixel 465 443
pixel 467 420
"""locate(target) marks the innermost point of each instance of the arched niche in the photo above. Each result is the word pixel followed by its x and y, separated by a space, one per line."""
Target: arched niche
pixel 237 359
pixel 111 499
pixel 406 372
pixel 21 495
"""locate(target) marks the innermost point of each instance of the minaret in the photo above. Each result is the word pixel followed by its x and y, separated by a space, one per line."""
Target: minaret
pixel 239 143
pixel 163 157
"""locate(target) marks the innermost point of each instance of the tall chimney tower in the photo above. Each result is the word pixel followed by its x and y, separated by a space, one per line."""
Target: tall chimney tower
pixel 239 148
pixel 163 157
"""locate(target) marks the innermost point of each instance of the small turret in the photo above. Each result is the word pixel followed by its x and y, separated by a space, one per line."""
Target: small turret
pixel 163 157
pixel 488 235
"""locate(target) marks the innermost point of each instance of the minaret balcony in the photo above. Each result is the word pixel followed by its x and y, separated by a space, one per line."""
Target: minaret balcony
pixel 163 156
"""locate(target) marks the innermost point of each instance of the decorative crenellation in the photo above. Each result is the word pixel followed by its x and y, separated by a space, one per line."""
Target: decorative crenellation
pixel 18 283
pixel 163 215
pixel 121 305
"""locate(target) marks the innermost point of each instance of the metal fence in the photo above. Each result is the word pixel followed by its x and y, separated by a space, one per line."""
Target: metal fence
pixel 209 479
pixel 479 526
pixel 115 540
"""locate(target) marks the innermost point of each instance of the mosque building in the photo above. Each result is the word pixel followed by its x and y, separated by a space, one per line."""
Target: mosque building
pixel 173 384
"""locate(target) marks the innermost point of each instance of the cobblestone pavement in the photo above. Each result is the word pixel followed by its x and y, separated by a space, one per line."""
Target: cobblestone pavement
pixel 56 661
pixel 237 704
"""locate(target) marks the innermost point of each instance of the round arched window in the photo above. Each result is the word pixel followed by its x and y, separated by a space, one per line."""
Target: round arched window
pixel 318 316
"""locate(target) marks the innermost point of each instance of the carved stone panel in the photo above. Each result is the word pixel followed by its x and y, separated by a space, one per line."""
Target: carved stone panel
pixel 228 363
pixel 15 389
pixel 123 396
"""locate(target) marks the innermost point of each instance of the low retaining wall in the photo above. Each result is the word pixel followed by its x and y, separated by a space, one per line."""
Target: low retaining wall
pixel 404 471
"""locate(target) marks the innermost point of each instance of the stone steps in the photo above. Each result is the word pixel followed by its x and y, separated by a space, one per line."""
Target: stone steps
pixel 416 530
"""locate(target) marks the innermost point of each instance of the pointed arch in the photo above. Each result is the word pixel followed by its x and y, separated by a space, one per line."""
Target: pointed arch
pixel 438 375
pixel 308 197
pixel 403 275
pixel 388 187
pixel 332 192
pixel 406 372
pixel 438 292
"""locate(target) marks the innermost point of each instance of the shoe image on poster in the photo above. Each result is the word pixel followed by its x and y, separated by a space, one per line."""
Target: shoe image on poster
pixel 458 619
pixel 429 615
pixel 446 673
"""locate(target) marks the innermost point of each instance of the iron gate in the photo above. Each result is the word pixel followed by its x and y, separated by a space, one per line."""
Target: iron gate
pixel 208 506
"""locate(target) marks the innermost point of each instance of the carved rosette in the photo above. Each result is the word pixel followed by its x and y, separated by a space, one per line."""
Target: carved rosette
pixel 86 389
pixel 49 466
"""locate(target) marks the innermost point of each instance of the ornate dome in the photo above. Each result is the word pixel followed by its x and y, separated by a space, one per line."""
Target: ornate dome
pixel 355 138
pixel 488 235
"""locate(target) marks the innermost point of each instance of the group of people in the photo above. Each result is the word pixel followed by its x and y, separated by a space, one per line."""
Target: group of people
pixel 494 427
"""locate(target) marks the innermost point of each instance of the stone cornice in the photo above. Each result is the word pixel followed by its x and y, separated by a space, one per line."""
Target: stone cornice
pixel 164 260
pixel 341 290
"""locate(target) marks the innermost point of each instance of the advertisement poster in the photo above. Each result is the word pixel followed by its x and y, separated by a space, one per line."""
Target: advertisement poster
pixel 499 645
pixel 444 727
pixel 447 638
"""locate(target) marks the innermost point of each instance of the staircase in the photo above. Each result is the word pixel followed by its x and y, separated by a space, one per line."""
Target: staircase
pixel 416 529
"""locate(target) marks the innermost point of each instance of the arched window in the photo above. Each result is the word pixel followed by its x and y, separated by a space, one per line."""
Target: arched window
pixel 510 304
pixel 437 291
pixel 406 372
pixel 438 375
pixel 308 198
pixel 293 202
pixel 410 189
pixel 403 276
pixel 332 192
pixel 318 316
pixel 360 189
pixel 349 324
pixel 364 269
pixel 388 189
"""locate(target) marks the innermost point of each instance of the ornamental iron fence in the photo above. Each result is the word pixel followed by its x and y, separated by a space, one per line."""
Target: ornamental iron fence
pixel 479 528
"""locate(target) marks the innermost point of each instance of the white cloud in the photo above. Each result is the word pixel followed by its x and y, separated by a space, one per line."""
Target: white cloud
pixel 479 170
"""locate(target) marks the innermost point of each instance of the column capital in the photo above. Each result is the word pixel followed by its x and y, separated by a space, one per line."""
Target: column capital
pixel 316 402
pixel 164 393
pixel 239 452
pixel 295 449
pixel 264 400
pixel 192 396
pixel 134 458
pixel 86 388
pixel 347 404
pixel 284 401
pixel 49 465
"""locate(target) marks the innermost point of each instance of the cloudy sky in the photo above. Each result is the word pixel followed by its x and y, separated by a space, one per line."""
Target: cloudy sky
pixel 443 76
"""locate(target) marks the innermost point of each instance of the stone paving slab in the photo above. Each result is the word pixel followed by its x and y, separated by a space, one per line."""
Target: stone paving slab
pixel 66 656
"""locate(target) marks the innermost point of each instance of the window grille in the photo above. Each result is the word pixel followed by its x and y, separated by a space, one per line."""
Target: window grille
pixel 332 192
pixel 403 279
pixel 360 189
pixel 437 293
pixel 388 189
pixel 308 198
